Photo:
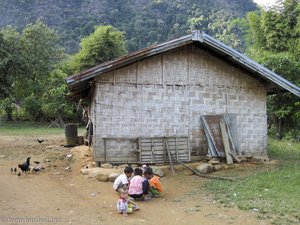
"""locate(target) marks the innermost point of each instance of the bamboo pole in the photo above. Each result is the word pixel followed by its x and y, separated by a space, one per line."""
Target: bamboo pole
pixel 203 175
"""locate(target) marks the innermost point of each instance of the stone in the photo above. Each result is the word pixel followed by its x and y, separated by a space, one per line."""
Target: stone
pixel 205 168
pixel 217 167
pixel 84 171
pixel 102 177
pixel 213 162
pixel 107 166
pixel 263 158
pixel 94 172
pixel 122 166
pixel 224 166
pixel 113 176
pixel 157 171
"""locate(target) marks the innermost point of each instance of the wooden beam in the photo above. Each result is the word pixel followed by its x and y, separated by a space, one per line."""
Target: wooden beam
pixel 203 175
pixel 229 159
pixel 170 156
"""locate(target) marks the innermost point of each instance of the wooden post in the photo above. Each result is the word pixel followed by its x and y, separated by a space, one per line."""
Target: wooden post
pixel 170 156
pixel 140 149
pixel 162 69
pixel 203 175
pixel 226 144
pixel 104 140
pixel 164 150
pixel 189 148
pixel 114 78
pixel 176 148
pixel 137 73
pixel 152 152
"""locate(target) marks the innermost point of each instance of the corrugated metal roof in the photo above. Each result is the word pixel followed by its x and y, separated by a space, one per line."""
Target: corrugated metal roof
pixel 79 84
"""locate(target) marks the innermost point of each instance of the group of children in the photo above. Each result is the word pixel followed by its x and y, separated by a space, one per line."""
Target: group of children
pixel 143 185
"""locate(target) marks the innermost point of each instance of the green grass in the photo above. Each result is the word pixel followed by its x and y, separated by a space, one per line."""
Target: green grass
pixel 30 128
pixel 274 190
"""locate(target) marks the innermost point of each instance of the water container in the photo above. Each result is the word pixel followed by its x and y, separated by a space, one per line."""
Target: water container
pixel 71 134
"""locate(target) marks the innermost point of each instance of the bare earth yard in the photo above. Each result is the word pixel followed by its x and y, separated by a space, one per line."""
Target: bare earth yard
pixel 66 197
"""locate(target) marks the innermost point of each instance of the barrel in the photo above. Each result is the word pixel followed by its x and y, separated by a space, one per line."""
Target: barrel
pixel 71 134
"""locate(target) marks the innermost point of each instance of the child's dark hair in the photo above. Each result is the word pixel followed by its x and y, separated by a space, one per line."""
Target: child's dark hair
pixel 138 171
pixel 128 169
pixel 148 171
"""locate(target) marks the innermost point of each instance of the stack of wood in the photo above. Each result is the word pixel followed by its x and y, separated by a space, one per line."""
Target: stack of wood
pixel 221 136
pixel 58 122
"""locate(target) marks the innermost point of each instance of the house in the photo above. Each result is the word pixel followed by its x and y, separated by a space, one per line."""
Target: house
pixel 163 90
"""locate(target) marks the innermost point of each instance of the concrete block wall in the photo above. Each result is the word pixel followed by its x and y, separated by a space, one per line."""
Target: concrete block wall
pixel 165 95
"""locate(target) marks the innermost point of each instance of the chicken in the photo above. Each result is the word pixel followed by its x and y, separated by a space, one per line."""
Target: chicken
pixel 15 170
pixel 11 170
pixel 40 141
pixel 25 166
pixel 19 174
pixel 37 168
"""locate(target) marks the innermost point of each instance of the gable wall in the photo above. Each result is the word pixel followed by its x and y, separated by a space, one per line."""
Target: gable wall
pixel 166 94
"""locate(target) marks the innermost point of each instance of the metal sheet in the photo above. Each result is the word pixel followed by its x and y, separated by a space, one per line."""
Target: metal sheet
pixel 212 123
pixel 200 37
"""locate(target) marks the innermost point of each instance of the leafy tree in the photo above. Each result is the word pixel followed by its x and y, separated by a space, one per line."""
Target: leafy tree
pixel 275 43
pixel 27 59
pixel 104 44
pixel 284 108
pixel 10 60
pixel 40 53
pixel 54 101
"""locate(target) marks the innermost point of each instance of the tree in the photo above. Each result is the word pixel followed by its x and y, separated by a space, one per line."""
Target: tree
pixel 28 59
pixel 10 60
pixel 284 108
pixel 54 101
pixel 40 54
pixel 274 36
pixel 104 44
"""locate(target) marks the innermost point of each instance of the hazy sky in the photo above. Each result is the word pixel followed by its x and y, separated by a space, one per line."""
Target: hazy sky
pixel 265 2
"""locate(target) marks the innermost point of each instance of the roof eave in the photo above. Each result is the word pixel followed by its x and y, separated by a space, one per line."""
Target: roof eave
pixel 249 63
pixel 128 59
pixel 196 36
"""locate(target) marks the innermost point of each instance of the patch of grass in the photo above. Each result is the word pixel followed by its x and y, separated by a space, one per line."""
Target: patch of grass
pixel 274 193
pixel 30 128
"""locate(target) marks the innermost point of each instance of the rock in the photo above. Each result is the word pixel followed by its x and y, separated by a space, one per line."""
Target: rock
pixel 113 176
pixel 157 171
pixel 106 166
pixel 205 168
pixel 246 157
pixel 231 166
pixel 224 166
pixel 102 177
pixel 263 158
pixel 214 161
pixel 122 166
pixel 94 172
pixel 217 167
pixel 84 171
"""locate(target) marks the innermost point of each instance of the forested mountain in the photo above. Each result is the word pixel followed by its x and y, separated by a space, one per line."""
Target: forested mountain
pixel 144 21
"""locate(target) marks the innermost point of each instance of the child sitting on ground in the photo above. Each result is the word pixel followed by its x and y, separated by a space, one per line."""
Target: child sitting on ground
pixel 155 188
pixel 138 185
pixel 124 206
pixel 122 180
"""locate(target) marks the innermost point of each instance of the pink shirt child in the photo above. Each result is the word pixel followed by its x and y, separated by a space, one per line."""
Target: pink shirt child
pixel 136 185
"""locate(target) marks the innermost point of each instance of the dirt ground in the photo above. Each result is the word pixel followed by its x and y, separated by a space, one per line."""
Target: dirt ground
pixel 59 196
